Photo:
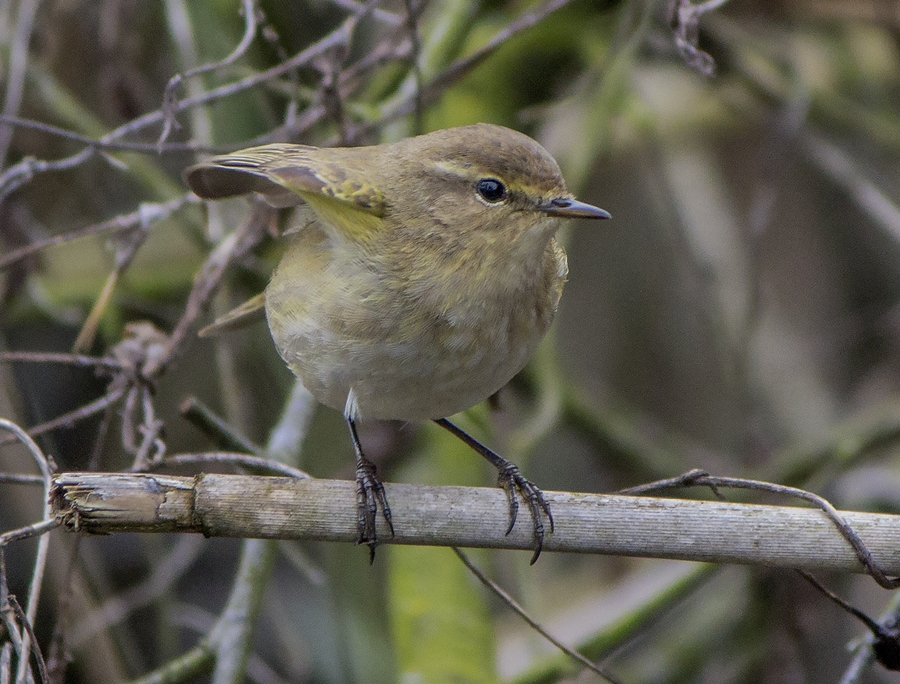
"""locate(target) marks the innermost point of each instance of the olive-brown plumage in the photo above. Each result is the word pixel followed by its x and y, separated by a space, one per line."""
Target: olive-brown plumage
pixel 423 274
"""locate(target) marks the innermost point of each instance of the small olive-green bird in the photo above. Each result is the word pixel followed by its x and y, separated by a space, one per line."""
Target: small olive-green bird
pixel 422 277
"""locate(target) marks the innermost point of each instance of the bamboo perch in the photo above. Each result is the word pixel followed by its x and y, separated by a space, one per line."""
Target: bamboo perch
pixel 289 508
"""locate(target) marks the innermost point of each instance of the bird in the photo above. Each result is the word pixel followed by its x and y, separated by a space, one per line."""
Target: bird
pixel 420 278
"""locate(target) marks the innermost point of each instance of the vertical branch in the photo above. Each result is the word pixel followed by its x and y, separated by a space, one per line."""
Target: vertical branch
pixel 15 79
pixel 40 562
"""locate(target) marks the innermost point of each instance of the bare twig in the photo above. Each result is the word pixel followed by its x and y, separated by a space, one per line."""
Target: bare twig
pixel 885 636
pixel 701 478
pixel 70 418
pixel 68 359
pixel 207 282
pixel 380 14
pixel 29 531
pixel 873 626
pixel 40 562
pixel 11 478
pixel 536 626
pixel 170 103
pixel 217 429
pixel 252 464
pixel 29 639
pixel 126 244
pixel 23 172
pixel 145 214
pixel 102 145
pixel 18 63
pixel 464 65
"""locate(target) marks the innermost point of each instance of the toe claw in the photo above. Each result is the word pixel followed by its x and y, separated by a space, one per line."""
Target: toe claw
pixel 512 481
pixel 369 495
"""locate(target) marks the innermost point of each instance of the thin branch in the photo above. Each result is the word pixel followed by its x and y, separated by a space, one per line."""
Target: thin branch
pixel 43 548
pixel 302 58
pixel 102 145
pixel 701 478
pixel 11 478
pixel 380 14
pixel 68 359
pixel 464 65
pixel 29 531
pixel 170 102
pixel 28 639
pixel 145 214
pixel 873 626
pixel 208 280
pixel 536 626
pixel 18 63
pixel 684 17
pixel 19 174
pixel 252 464
pixel 70 418
pixel 219 431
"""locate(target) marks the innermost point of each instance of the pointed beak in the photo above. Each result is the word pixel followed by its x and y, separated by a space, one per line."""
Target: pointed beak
pixel 565 207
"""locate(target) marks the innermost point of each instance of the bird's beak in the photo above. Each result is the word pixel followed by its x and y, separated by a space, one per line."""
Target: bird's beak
pixel 565 207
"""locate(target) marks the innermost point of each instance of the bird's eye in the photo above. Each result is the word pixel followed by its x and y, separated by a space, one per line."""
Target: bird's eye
pixel 491 190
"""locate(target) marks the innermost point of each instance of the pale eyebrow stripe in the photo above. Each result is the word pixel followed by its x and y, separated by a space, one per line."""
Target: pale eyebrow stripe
pixel 473 173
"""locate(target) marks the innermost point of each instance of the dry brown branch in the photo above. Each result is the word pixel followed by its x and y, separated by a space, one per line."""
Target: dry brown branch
pixel 286 508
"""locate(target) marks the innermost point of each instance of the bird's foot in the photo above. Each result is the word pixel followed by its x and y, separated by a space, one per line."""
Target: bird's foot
pixel 511 480
pixel 369 496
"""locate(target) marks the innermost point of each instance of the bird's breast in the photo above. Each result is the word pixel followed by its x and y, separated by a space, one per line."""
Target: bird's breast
pixel 410 348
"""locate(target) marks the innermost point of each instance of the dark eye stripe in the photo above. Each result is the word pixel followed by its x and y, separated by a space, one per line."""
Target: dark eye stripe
pixel 491 190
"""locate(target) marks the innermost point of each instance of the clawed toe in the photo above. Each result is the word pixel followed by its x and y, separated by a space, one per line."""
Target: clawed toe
pixel 512 481
pixel 370 496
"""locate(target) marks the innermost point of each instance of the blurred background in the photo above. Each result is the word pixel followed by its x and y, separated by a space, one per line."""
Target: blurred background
pixel 738 314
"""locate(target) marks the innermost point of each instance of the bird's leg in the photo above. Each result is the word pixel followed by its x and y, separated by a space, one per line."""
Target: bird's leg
pixel 510 479
pixel 369 495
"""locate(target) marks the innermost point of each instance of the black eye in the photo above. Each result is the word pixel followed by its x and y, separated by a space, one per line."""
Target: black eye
pixel 491 190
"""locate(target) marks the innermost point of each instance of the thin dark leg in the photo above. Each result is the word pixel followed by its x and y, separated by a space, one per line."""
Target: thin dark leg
pixel 369 495
pixel 511 480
